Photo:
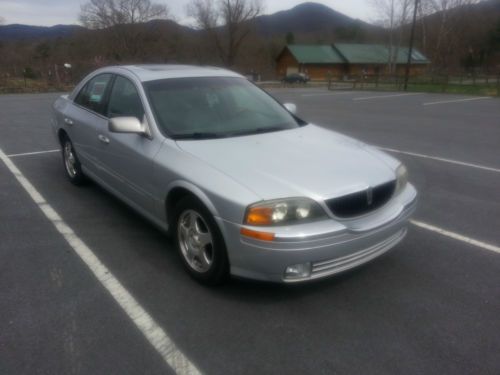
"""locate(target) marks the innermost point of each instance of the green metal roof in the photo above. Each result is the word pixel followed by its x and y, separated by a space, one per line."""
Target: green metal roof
pixel 376 54
pixel 315 54
pixel 340 53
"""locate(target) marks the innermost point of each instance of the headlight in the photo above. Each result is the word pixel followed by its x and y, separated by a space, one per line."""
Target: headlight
pixel 401 177
pixel 283 212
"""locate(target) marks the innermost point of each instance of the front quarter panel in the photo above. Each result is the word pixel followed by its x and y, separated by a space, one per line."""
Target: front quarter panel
pixel 221 194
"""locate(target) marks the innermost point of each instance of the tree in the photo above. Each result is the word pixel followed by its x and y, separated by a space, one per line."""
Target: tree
pixel 29 73
pixel 2 20
pixel 101 14
pixel 446 31
pixel 290 38
pixel 394 15
pixel 122 19
pixel 226 22
pixel 42 51
pixel 494 38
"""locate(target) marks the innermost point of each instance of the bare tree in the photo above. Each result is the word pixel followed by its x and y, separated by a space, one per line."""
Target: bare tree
pixel 394 15
pixel 226 22
pixel 446 27
pixel 100 14
pixel 122 19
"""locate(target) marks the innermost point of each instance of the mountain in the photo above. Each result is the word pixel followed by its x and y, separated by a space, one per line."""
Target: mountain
pixel 302 19
pixel 307 18
pixel 26 32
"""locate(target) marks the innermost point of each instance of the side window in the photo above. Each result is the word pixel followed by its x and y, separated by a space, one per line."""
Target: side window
pixel 124 100
pixel 91 96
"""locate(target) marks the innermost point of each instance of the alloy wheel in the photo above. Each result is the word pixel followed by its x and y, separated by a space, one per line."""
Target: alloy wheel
pixel 195 240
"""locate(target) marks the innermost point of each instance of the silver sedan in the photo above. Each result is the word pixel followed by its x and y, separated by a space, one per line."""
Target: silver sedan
pixel 242 184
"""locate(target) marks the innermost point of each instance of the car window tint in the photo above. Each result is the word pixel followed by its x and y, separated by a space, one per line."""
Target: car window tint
pixel 124 100
pixel 92 94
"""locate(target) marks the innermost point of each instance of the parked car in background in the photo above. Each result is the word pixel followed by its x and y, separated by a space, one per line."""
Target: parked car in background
pixel 296 78
pixel 243 185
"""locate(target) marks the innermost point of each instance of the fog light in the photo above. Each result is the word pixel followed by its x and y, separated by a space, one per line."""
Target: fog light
pixel 298 271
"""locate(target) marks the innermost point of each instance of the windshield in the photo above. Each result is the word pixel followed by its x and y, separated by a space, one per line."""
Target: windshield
pixel 212 107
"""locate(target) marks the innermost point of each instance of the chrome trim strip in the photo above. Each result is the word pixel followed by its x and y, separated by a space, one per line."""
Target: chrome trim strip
pixel 345 263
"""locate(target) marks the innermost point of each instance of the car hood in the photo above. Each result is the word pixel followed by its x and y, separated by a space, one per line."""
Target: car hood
pixel 307 161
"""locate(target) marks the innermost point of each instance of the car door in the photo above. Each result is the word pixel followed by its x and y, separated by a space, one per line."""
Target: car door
pixel 84 118
pixel 128 158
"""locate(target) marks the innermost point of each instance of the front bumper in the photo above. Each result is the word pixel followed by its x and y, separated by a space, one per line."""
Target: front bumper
pixel 328 247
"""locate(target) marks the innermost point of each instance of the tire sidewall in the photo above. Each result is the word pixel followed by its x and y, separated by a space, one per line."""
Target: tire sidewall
pixel 219 270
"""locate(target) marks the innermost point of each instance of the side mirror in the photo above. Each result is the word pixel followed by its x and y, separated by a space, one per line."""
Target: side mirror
pixel 126 125
pixel 290 107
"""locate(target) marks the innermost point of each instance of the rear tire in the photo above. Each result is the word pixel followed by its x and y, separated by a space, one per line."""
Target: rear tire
pixel 199 242
pixel 71 164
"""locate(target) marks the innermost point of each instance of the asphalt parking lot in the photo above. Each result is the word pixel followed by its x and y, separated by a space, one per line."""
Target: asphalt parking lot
pixel 431 306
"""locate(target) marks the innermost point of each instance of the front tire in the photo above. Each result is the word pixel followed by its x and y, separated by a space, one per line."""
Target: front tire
pixel 72 165
pixel 199 242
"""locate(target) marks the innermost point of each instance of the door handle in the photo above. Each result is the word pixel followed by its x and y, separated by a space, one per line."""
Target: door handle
pixel 103 139
pixel 68 121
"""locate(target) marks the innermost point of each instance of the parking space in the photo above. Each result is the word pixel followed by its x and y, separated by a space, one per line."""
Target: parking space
pixel 55 317
pixel 457 130
pixel 430 306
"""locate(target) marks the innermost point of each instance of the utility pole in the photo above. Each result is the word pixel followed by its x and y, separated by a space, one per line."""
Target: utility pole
pixel 410 50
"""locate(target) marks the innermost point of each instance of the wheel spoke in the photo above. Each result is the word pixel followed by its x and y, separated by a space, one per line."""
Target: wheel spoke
pixel 204 239
pixel 184 230
pixel 190 220
pixel 190 255
pixel 205 262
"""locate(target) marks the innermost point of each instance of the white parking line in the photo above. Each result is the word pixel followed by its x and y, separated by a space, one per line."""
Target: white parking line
pixel 328 93
pixel 458 100
pixel 32 153
pixel 491 169
pixel 456 236
pixel 386 96
pixel 156 336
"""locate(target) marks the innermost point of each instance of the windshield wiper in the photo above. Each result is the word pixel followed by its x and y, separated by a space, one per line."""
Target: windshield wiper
pixel 267 129
pixel 210 135
pixel 199 135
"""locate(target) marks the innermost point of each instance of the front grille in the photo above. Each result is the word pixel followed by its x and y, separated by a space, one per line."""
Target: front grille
pixel 362 202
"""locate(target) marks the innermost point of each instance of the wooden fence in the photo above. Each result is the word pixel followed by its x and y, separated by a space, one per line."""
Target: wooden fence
pixel 473 85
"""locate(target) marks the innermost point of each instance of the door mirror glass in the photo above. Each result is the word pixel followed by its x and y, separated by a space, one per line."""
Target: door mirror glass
pixel 126 125
pixel 292 108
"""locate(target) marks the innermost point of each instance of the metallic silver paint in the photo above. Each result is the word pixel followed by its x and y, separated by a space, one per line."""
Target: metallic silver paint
pixel 126 125
pixel 227 175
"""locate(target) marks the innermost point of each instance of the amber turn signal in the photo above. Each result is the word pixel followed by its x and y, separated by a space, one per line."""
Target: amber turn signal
pixel 259 216
pixel 263 236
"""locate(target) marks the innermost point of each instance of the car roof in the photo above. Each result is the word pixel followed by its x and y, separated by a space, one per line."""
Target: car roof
pixel 165 71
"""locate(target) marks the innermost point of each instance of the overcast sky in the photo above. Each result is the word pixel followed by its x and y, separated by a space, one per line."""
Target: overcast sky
pixel 53 12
